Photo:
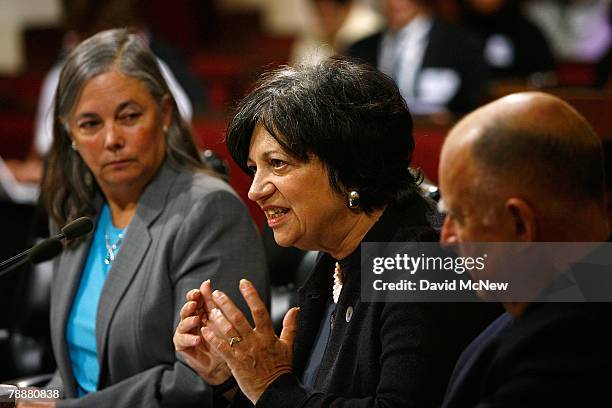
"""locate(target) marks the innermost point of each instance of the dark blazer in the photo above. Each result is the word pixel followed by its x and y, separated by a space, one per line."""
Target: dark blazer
pixel 555 355
pixel 378 354
pixel 448 46
pixel 529 50
pixel 187 228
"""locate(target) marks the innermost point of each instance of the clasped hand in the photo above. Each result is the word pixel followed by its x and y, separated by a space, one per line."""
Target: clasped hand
pixel 189 343
pixel 255 356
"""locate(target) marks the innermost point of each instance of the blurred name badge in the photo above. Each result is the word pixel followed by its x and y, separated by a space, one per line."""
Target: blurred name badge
pixel 438 86
pixel 7 395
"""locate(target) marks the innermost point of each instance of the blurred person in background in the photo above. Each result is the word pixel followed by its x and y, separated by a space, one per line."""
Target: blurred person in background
pixel 123 155
pixel 337 24
pixel 577 30
pixel 439 68
pixel 329 146
pixel 514 46
pixel 83 18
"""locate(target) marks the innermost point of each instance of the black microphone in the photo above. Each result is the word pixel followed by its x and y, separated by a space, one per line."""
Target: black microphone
pixel 76 228
pixel 49 247
pixel 45 250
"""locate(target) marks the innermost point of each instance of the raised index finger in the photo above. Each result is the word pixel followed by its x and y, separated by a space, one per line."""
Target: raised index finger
pixel 261 318
pixel 206 291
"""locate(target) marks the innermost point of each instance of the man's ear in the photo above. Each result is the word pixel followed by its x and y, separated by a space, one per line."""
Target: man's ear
pixel 523 218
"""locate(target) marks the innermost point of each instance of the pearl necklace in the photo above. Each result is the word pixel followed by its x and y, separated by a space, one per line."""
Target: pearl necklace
pixel 338 281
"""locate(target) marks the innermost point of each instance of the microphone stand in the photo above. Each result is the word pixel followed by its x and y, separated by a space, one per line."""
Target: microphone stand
pixel 43 251
pixel 48 248
pixel 14 262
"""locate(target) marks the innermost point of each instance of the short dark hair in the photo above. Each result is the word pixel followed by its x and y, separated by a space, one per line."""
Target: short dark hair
pixel 348 114
pixel 68 189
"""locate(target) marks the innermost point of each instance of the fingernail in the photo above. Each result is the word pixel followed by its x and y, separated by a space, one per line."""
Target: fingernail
pixel 217 294
pixel 244 283
pixel 207 281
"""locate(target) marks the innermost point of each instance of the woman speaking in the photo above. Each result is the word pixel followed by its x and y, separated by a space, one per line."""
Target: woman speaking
pixel 328 146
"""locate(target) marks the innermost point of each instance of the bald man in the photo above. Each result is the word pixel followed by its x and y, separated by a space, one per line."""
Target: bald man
pixel 529 168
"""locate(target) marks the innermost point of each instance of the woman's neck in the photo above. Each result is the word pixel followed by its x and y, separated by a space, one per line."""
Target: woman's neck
pixel 122 212
pixel 355 230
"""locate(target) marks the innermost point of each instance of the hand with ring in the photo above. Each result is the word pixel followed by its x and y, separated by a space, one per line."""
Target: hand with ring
pixel 256 356
pixel 189 343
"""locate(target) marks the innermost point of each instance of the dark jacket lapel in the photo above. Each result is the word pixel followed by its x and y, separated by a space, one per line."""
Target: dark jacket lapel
pixel 314 295
pixel 402 221
pixel 312 298
pixel 465 380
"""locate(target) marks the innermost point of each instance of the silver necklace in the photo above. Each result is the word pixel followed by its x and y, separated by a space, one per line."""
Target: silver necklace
pixel 111 249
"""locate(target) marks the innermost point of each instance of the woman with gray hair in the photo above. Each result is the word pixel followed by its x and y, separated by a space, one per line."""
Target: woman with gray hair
pixel 122 154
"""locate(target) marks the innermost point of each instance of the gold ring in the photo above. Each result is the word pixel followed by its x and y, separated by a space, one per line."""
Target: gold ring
pixel 235 340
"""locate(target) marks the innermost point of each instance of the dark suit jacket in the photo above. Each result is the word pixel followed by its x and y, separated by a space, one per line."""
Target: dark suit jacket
pixel 555 355
pixel 530 50
pixel 448 47
pixel 187 228
pixel 381 354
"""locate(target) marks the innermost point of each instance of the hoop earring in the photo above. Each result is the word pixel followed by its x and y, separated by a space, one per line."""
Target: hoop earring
pixel 353 200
